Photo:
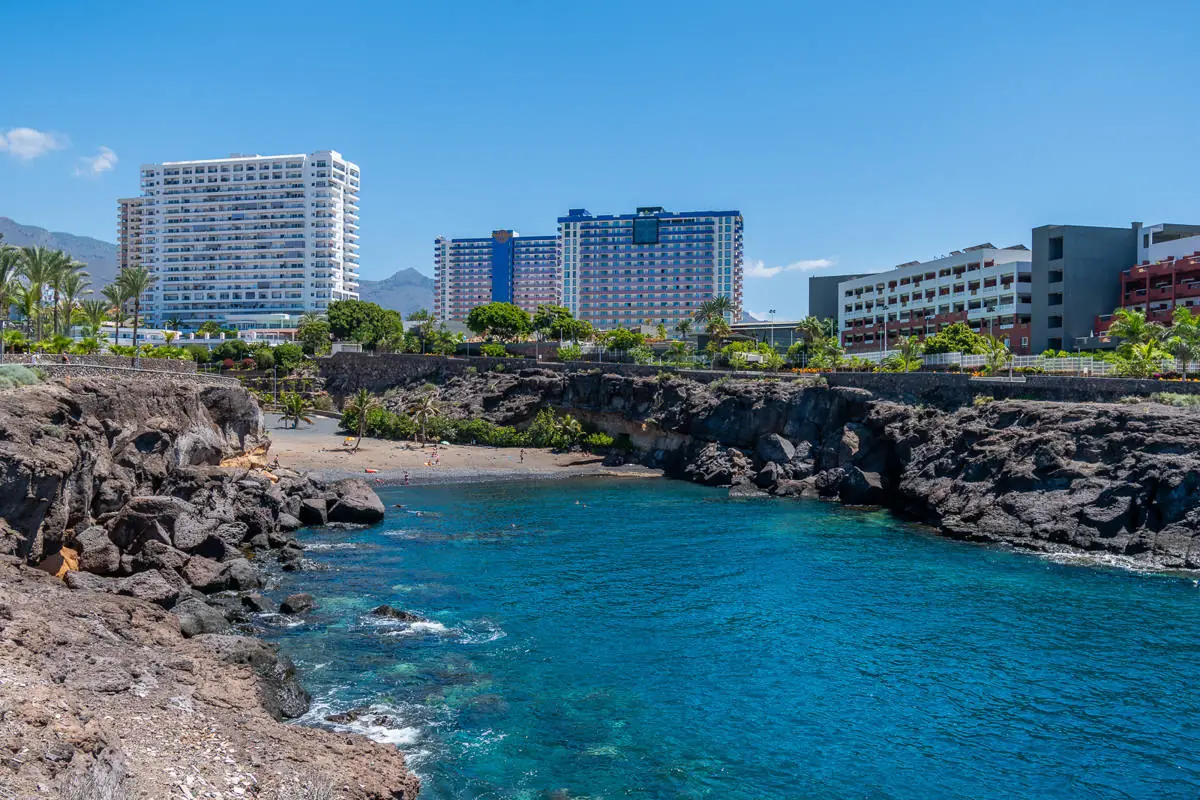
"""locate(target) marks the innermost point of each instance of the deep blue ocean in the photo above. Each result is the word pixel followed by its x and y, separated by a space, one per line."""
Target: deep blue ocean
pixel 653 639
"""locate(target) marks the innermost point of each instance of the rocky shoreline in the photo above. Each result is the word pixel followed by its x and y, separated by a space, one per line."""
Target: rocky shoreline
pixel 121 501
pixel 1115 479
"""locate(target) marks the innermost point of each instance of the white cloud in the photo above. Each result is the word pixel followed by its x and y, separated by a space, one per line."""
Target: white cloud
pixel 27 144
pixel 759 269
pixel 103 161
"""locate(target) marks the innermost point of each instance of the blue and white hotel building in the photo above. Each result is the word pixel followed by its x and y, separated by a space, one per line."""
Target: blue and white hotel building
pixel 504 267
pixel 650 267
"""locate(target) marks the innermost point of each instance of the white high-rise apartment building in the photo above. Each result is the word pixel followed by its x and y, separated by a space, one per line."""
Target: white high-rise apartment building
pixel 252 241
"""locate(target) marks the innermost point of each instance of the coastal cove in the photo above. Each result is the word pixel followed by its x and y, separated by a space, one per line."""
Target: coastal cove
pixel 603 638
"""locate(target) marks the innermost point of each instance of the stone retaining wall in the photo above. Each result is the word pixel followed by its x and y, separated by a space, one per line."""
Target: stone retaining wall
pixel 157 364
pixel 346 372
pixel 73 370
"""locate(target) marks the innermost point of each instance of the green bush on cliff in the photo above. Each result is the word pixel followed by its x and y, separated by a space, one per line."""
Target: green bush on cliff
pixel 14 375
pixel 597 441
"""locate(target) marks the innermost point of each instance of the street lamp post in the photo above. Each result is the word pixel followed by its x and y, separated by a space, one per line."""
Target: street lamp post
pixel 886 311
pixel 771 312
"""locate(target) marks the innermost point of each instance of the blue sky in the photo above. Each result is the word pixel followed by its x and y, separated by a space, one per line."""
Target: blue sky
pixel 853 136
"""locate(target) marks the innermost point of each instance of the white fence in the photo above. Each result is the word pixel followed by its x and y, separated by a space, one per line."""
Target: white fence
pixel 1075 365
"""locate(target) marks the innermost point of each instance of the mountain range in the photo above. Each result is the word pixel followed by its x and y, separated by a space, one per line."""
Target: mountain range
pixel 100 256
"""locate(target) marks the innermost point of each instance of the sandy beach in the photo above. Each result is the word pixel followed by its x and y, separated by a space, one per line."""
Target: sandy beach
pixel 319 448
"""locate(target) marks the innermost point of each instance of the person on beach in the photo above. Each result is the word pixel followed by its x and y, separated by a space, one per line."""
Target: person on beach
pixel 522 455
pixel 406 477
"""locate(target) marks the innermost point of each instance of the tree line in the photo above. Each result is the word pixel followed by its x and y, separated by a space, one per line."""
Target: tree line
pixel 52 292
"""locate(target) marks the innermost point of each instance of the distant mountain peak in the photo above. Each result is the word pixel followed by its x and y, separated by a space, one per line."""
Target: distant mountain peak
pixel 405 290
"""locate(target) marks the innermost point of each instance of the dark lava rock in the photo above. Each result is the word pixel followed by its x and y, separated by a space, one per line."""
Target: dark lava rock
pixel 204 574
pixel 151 586
pixel 97 553
pixel 257 603
pixel 196 617
pixel 396 613
pixel 356 503
pixel 313 511
pixel 240 574
pixel 297 603
pixel 282 694
pixel 774 447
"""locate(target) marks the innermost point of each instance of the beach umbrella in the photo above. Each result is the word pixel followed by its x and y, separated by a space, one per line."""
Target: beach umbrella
pixel 443 441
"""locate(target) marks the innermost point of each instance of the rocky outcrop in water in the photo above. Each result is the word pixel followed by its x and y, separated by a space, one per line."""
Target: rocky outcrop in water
pixel 98 687
pixel 125 490
pixel 1111 478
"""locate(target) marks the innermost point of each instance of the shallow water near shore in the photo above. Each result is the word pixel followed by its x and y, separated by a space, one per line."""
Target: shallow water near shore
pixel 606 638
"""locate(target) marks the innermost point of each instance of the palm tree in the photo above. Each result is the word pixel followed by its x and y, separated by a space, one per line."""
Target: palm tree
pixel 64 268
pixel 136 281
pixel 684 327
pixel 996 353
pixel 169 336
pixel 908 354
pixel 39 268
pixel 73 286
pixel 1131 325
pixel 10 268
pixel 174 323
pixel 425 409
pixel 1183 350
pixel 360 405
pixel 27 299
pixel 114 293
pixel 94 311
pixel 811 328
pixel 296 408
pixel 1141 359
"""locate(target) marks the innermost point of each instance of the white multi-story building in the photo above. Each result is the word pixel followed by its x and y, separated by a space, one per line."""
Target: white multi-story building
pixel 987 287
pixel 129 231
pixel 261 239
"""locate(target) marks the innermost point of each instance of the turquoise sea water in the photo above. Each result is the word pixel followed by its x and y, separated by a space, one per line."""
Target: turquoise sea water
pixel 653 639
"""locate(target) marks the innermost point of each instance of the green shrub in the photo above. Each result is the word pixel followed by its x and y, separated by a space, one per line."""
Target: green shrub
pixel 597 441
pixel 322 401
pixel 570 352
pixel 197 352
pixel 14 375
pixel 493 350
pixel 288 355
pixel 1175 399
pixel 981 400
pixel 264 358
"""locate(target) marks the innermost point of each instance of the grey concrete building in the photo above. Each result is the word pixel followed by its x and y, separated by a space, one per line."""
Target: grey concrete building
pixel 823 300
pixel 1076 275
